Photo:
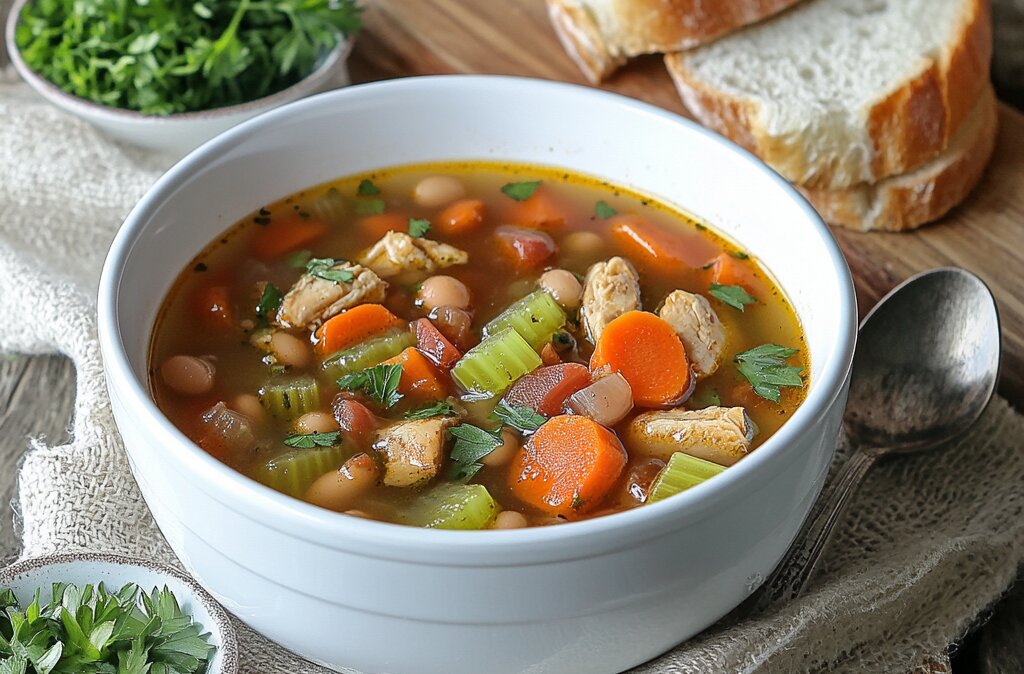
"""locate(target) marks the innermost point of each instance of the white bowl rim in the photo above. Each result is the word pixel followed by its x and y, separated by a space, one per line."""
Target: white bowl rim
pixel 228 648
pixel 498 547
pixel 58 96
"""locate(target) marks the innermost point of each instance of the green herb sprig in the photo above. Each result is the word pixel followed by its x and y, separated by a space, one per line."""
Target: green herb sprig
pixel 766 369
pixel 735 296
pixel 323 268
pixel 472 443
pixel 521 191
pixel 380 382
pixel 523 419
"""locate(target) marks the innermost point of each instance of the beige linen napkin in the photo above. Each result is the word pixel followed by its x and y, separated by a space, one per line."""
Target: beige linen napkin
pixel 930 541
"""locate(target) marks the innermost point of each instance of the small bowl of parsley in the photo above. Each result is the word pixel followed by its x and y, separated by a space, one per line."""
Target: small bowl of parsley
pixel 93 612
pixel 170 75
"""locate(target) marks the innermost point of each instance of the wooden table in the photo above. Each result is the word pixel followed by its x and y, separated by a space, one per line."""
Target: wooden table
pixel 403 38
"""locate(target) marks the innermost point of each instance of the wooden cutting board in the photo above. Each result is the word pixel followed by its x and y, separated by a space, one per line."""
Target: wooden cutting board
pixel 513 37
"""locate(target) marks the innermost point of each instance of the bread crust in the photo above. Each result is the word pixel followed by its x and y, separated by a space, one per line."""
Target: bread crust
pixel 635 27
pixel 909 126
pixel 907 201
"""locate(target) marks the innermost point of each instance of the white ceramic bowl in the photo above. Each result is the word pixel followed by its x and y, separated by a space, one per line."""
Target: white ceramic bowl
pixel 594 596
pixel 115 571
pixel 179 133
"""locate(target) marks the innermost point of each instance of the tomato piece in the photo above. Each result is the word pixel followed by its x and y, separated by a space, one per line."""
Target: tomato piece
pixel 434 345
pixel 213 305
pixel 527 248
pixel 546 389
pixel 355 419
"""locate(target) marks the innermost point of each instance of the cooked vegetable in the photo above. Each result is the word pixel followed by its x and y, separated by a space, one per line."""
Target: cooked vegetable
pixel 493 365
pixel 443 291
pixel 646 351
pixel 379 224
pixel 354 419
pixel 90 629
pixel 213 305
pixel 290 397
pixel 461 217
pixel 525 248
pixel 538 211
pixel 718 434
pixel 607 401
pixel 682 472
pixel 546 389
pixel 413 451
pixel 328 207
pixel 698 328
pixel 730 270
pixel 354 326
pixel 766 369
pixel 456 325
pixel 342 489
pixel 226 434
pixel 420 379
pixel 568 466
pixel 380 382
pixel 535 317
pixel 659 249
pixel 169 57
pixel 285 234
pixel 295 470
pixel 434 345
pixel 369 353
pixel 452 506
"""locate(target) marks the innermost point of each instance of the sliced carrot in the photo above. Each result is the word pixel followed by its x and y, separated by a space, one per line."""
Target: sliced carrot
pixel 353 326
pixel 545 389
pixel 285 235
pixel 435 345
pixel 526 248
pixel 379 225
pixel 659 249
pixel 730 271
pixel 540 211
pixel 421 380
pixel 568 466
pixel 213 305
pixel 647 352
pixel 549 356
pixel 461 217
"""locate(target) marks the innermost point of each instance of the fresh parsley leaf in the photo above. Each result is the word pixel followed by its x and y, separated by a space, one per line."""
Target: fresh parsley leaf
pixel 472 443
pixel 441 408
pixel 311 440
pixel 739 255
pixel 521 418
pixel 521 191
pixel 270 300
pixel 603 210
pixel 379 382
pixel 708 397
pixel 370 206
pixel 367 188
pixel 418 227
pixel 463 472
pixel 323 268
pixel 299 259
pixel 766 369
pixel 735 296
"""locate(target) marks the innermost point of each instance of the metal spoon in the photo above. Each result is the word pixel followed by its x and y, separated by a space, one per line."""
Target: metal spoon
pixel 926 366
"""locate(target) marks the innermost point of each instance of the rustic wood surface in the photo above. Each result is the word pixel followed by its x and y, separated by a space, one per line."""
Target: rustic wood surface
pixel 451 36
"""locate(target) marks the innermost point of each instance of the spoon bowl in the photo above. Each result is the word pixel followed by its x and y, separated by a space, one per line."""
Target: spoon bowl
pixel 927 362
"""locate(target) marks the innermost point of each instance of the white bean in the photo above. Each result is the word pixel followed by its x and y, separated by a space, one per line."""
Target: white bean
pixel 188 375
pixel 316 422
pixel 290 350
pixel 563 286
pixel 444 291
pixel 504 452
pixel 341 489
pixel 436 191
pixel 509 519
pixel 249 405
pixel 584 246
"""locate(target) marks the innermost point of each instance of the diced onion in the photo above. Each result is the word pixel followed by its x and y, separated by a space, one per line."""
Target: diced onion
pixel 607 401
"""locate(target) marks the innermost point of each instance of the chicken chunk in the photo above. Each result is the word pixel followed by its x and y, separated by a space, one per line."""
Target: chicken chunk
pixel 413 451
pixel 721 435
pixel 611 289
pixel 398 252
pixel 698 327
pixel 312 300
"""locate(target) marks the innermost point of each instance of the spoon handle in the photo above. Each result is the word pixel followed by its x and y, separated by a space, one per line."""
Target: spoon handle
pixel 792 574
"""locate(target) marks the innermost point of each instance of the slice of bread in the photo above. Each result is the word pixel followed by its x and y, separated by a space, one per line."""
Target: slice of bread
pixel 600 35
pixel 833 93
pixel 928 192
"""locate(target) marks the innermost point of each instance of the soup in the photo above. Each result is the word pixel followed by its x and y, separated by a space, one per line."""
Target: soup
pixel 476 345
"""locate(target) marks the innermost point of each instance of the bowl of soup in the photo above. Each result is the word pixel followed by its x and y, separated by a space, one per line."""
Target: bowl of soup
pixel 462 374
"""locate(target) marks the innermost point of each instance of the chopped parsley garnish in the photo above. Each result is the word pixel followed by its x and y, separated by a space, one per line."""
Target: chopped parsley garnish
pixel 735 296
pixel 370 207
pixel 766 369
pixel 270 300
pixel 441 408
pixel 200 266
pixel 739 254
pixel 521 191
pixel 323 268
pixel 418 227
pixel 299 259
pixel 603 210
pixel 472 443
pixel 521 418
pixel 367 188
pixel 379 382
pixel 311 440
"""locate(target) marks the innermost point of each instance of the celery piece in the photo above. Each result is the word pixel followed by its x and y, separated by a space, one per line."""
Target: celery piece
pixel 535 317
pixel 494 364
pixel 682 472
pixel 293 471
pixel 329 207
pixel 290 397
pixel 369 353
pixel 451 506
